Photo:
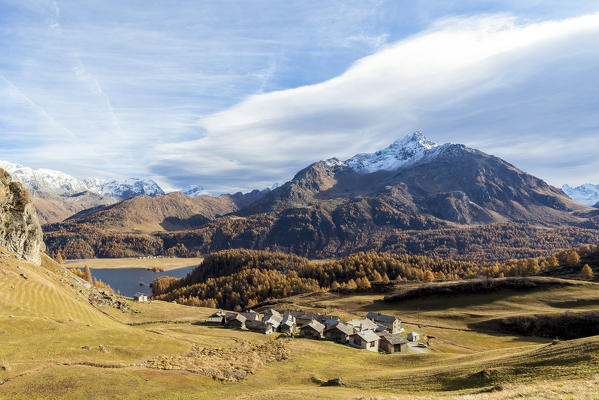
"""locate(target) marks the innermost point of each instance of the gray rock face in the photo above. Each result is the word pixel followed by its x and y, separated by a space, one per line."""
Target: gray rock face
pixel 20 231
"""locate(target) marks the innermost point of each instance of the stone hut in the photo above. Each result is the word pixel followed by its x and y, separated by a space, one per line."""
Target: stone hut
pixel 392 323
pixel 312 329
pixel 251 315
pixel 288 325
pixel 367 340
pixel 259 326
pixel 363 324
pixel 235 321
pixel 340 332
pixel 218 318
pixel 393 343
pixel 140 297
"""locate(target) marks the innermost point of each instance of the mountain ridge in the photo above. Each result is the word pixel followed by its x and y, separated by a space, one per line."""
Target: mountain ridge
pixel 331 208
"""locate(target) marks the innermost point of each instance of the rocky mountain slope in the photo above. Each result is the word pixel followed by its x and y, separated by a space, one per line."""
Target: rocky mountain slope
pixel 450 183
pixel 586 194
pixel 20 231
pixel 367 202
pixel 170 212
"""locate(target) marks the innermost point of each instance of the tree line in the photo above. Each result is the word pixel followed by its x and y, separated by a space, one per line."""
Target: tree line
pixel 242 278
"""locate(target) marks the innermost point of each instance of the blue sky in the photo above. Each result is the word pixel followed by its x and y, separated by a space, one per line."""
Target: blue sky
pixel 235 95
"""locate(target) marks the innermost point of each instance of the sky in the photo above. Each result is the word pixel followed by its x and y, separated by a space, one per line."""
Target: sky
pixel 233 95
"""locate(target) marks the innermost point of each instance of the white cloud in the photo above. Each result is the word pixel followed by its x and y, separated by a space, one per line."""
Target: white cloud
pixel 441 80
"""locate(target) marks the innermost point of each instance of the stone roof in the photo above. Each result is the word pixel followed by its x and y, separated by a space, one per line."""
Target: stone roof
pixel 396 338
pixel 363 324
pixel 317 326
pixel 382 317
pixel 257 326
pixel 368 336
pixel 344 328
pixel 272 319
pixel 288 320
pixel 236 316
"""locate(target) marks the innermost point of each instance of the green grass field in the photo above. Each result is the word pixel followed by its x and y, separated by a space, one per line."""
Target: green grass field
pixel 55 345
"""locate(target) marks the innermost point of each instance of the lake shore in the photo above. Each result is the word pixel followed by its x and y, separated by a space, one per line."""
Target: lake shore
pixel 165 264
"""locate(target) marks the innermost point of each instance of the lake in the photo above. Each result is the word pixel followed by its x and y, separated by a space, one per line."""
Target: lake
pixel 127 280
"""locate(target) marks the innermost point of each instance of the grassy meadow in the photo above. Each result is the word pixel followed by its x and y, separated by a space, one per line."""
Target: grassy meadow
pixel 55 345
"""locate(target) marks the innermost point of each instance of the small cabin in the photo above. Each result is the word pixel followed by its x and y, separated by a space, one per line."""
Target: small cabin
pixel 235 321
pixel 312 329
pixel 367 340
pixel 302 317
pixel 393 344
pixel 140 297
pixel 251 315
pixel 340 332
pixel 259 326
pixel 393 324
pixel 273 320
pixel 218 318
pixel 363 324
pixel 413 337
pixel 288 325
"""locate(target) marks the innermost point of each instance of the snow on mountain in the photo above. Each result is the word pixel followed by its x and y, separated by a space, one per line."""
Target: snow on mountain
pixel 44 180
pixel 124 189
pixel 402 152
pixel 194 190
pixel 586 194
pixel 55 182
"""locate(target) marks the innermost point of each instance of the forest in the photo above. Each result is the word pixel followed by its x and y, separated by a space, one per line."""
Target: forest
pixel 242 278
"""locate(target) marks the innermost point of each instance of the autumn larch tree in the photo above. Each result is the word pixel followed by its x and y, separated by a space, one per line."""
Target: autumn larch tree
pixel 573 259
pixel 587 273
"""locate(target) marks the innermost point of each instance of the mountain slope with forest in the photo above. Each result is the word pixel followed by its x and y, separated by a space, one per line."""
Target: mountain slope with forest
pixel 371 202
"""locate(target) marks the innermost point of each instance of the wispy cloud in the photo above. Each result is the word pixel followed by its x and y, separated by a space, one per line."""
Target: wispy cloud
pixel 232 95
pixel 480 80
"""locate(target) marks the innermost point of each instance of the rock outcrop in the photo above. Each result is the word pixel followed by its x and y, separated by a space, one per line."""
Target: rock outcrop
pixel 20 231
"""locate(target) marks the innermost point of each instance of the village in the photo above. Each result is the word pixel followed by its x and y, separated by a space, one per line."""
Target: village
pixel 376 332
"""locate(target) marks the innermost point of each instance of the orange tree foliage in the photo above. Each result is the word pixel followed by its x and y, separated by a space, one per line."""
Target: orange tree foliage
pixel 246 277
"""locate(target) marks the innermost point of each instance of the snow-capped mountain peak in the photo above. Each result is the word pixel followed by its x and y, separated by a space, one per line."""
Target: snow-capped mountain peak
pixel 55 182
pixel 194 190
pixel 43 180
pixel 586 194
pixel 124 189
pixel 403 151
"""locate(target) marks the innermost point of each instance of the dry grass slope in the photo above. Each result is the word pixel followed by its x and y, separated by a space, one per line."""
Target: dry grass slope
pixel 55 345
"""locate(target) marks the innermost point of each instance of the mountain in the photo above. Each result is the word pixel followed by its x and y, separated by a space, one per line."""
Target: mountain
pixel 586 194
pixel 448 184
pixel 57 195
pixel 194 190
pixel 169 212
pixel 44 180
pixel 20 231
pixel 123 189
pixel 370 201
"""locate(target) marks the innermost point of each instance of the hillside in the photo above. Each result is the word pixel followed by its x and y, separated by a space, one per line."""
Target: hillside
pixel 169 212
pixel 414 196
pixel 243 278
pixel 58 345
pixel 53 208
